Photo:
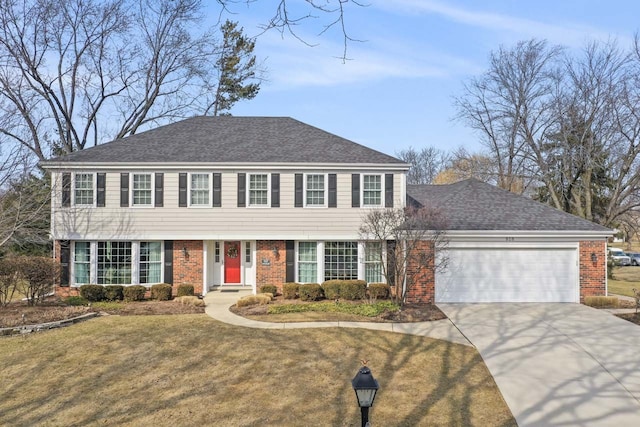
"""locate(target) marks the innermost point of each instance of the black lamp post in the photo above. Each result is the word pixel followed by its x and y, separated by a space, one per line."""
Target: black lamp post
pixel 365 387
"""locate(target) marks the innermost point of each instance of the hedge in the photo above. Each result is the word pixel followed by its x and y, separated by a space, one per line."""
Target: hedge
pixel 311 292
pixel 379 290
pixel 114 292
pixel 290 290
pixel 332 289
pixel 134 293
pixel 269 289
pixel 185 290
pixel 92 293
pixel 161 292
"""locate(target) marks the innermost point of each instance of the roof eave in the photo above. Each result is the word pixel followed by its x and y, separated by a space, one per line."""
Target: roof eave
pixel 56 165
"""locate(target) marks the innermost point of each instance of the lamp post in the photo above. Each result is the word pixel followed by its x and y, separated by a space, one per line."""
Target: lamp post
pixel 365 387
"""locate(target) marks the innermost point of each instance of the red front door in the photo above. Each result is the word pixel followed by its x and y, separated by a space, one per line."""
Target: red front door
pixel 231 262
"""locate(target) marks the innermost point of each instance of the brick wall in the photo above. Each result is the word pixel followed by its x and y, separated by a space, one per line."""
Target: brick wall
pixel 275 273
pixel 188 270
pixel 593 275
pixel 420 275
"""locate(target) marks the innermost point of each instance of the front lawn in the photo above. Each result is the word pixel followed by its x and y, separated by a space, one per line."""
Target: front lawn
pixel 625 279
pixel 192 370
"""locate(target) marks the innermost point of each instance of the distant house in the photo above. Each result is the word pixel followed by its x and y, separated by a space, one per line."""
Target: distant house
pixel 248 201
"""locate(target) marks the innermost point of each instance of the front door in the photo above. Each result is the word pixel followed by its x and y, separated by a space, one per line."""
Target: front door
pixel 231 262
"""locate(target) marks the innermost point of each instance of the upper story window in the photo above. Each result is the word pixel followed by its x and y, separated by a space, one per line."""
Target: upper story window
pixel 142 189
pixel 258 190
pixel 372 190
pixel 83 189
pixel 200 189
pixel 314 190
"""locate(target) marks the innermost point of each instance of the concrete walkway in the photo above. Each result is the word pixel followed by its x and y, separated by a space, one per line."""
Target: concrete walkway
pixel 557 364
pixel 218 303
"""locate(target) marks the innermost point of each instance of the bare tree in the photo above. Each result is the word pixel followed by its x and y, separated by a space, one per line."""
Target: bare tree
pixel 426 164
pixel 416 242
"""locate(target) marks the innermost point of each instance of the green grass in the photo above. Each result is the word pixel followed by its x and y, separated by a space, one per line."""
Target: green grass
pixel 186 370
pixel 367 310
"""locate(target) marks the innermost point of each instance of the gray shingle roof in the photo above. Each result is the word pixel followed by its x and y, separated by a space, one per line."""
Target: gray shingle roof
pixel 475 205
pixel 230 139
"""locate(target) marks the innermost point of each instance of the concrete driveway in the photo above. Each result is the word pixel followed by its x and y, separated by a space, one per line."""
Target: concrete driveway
pixel 557 364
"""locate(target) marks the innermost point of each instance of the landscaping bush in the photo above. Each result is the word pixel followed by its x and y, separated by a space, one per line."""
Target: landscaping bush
pixel 310 292
pixel 185 290
pixel 114 292
pixel 636 296
pixel 76 300
pixel 134 293
pixel 38 275
pixel 260 299
pixel 290 290
pixel 332 289
pixel 269 289
pixel 190 300
pixel 92 293
pixel 601 301
pixel 368 310
pixel 353 289
pixel 161 292
pixel 379 291
pixel 9 279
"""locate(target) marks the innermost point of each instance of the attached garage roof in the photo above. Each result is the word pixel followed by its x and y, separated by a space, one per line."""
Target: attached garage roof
pixel 475 205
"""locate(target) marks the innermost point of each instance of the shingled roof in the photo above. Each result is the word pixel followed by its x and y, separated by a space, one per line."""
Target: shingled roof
pixel 230 139
pixel 475 205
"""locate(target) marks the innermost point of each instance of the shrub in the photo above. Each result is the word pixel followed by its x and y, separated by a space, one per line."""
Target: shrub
pixel 332 289
pixel 76 300
pixel 636 296
pixel 114 292
pixel 134 293
pixel 161 292
pixel 269 289
pixel 260 299
pixel 311 292
pixel 368 310
pixel 601 301
pixel 9 279
pixel 379 291
pixel 190 300
pixel 185 290
pixel 353 289
pixel 38 275
pixel 92 293
pixel 290 290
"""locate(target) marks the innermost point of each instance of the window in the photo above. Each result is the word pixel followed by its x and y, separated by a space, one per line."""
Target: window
pixel 340 260
pixel 83 194
pixel 307 262
pixel 82 262
pixel 372 190
pixel 217 252
pixel 200 189
pixel 114 263
pixel 259 190
pixel 315 190
pixel 150 262
pixel 247 252
pixel 373 262
pixel 142 189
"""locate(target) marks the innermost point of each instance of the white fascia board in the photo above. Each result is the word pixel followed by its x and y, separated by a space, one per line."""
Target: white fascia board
pixel 219 236
pixel 62 166
pixel 534 234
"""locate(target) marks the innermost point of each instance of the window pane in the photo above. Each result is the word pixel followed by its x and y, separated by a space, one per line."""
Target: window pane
pixel 200 189
pixel 258 190
pixel 340 260
pixel 142 189
pixel 84 189
pixel 373 262
pixel 372 190
pixel 315 190
pixel 307 262
pixel 150 262
pixel 82 262
pixel 114 263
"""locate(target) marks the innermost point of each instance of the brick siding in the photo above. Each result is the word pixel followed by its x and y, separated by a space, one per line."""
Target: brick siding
pixel 271 269
pixel 189 269
pixel 421 278
pixel 592 274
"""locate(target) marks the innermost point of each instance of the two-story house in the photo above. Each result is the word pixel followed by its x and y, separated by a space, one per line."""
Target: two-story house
pixel 248 201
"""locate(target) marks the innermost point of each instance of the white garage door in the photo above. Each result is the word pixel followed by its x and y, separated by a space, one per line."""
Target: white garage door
pixel 509 275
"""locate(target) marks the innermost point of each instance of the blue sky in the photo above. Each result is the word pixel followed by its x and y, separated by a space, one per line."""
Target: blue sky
pixel 397 88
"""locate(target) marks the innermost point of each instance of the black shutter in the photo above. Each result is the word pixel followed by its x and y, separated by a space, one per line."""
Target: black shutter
pixel 101 179
pixel 388 190
pixel 333 191
pixel 182 190
pixel 159 202
pixel 65 256
pixel 275 190
pixel 168 262
pixel 391 262
pixel 290 261
pixel 124 190
pixel 299 188
pixel 66 190
pixel 355 190
pixel 217 190
pixel 242 190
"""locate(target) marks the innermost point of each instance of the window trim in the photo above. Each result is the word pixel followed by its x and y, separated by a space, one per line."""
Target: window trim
pixel 381 261
pixel 362 203
pixel 209 186
pixel 248 190
pixel 357 258
pixel 136 260
pixel 325 198
pixel 131 190
pixel 94 189
pixel 317 261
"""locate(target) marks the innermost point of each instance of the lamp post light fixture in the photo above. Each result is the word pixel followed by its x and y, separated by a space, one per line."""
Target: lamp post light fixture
pixel 365 387
pixel 594 257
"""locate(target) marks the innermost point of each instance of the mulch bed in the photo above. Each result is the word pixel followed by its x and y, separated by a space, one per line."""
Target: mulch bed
pixel 631 317
pixel 19 313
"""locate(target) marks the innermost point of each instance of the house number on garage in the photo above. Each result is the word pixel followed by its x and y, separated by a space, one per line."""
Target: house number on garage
pixel 510 239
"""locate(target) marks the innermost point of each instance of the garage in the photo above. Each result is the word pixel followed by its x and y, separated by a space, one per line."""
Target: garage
pixel 524 274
